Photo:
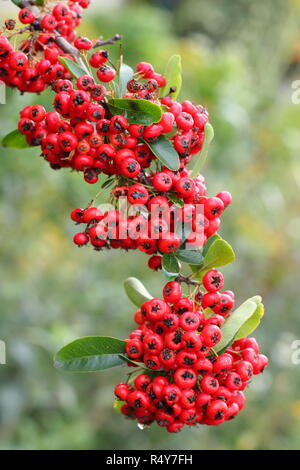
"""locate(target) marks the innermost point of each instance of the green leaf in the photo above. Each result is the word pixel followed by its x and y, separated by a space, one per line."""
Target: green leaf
pixel 17 2
pixel 91 353
pixel 165 152
pixel 200 159
pixel 176 200
pixel 173 76
pixel 15 140
pixel 170 266
pixel 141 111
pixel 39 2
pixel 219 253
pixel 136 291
pixel 75 70
pixel 234 323
pixel 193 257
pixel 108 183
pixel 209 242
pixel 125 74
pixel 118 405
pixel 250 325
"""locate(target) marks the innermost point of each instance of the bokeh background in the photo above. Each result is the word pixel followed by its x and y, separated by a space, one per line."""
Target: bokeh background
pixel 240 59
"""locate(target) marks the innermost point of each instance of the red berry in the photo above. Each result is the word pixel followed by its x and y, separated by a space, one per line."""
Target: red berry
pixel 134 348
pixel 155 262
pixel 122 391
pixel 26 16
pixel 213 280
pixel 185 378
pixel 106 73
pixel 48 22
pixel 80 239
pixel 169 243
pixel 162 181
pixel 138 194
pixel 172 291
pixel 83 43
pixel 76 215
pixel 211 335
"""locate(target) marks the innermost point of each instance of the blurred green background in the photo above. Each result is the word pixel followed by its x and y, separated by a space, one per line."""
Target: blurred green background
pixel 240 59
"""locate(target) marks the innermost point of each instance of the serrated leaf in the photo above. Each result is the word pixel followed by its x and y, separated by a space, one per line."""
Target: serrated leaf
pixel 199 160
pixel 15 140
pixel 173 76
pixel 165 152
pixel 250 325
pixel 170 266
pixel 141 111
pixel 234 323
pixel 75 70
pixel 136 291
pixel 193 257
pixel 125 74
pixel 89 354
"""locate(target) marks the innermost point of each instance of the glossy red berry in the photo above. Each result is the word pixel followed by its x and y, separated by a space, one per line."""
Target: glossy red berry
pixel 83 43
pixel 134 348
pixel 138 194
pixel 213 280
pixel 76 215
pixel 185 377
pixel 211 335
pixel 162 181
pixel 122 391
pixel 80 239
pixel 155 262
pixel 48 22
pixel 172 291
pixel 169 243
pixel 105 73
pixel 26 16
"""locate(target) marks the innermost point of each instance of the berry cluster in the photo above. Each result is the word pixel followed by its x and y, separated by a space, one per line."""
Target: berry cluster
pixel 34 64
pixel 183 377
pixel 157 226
pixel 83 135
pixel 185 382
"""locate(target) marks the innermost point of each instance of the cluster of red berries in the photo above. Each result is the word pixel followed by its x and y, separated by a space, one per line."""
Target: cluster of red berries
pixel 158 226
pixel 183 378
pixel 188 382
pixel 34 64
pixel 83 135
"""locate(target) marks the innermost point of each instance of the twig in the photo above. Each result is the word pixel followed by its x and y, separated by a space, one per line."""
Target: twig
pixel 112 40
pixel 181 278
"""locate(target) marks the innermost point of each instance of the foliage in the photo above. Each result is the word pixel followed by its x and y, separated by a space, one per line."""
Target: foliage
pixel 254 155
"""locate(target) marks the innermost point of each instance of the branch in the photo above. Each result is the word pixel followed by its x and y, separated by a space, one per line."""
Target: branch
pixel 64 45
pixel 68 48
pixel 181 278
pixel 112 40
